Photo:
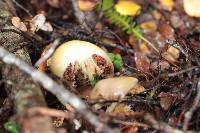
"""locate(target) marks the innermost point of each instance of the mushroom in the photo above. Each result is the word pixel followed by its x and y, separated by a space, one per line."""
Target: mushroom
pixel 127 7
pixel 80 60
pixel 192 7
pixel 113 88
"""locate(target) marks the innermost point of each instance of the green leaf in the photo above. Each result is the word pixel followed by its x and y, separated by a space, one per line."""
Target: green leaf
pixel 105 5
pixel 95 80
pixel 116 60
pixel 111 56
pixel 11 127
pixel 150 9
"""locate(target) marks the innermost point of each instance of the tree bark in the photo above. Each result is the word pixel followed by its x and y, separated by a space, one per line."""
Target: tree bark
pixel 20 87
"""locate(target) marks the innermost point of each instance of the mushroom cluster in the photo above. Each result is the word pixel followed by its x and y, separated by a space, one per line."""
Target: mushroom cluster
pixel 80 61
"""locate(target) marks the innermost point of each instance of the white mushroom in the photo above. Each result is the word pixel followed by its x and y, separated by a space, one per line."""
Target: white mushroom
pixel 80 60
pixel 192 7
pixel 113 88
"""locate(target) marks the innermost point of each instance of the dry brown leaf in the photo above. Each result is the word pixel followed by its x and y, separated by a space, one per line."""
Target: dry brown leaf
pixel 137 89
pixel 166 100
pixel 162 65
pixel 16 21
pixel 166 31
pixel 172 54
pixel 129 129
pixel 142 62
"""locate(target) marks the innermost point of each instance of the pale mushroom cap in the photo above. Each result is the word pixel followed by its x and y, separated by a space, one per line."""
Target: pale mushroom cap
pixel 192 7
pixel 113 88
pixel 71 52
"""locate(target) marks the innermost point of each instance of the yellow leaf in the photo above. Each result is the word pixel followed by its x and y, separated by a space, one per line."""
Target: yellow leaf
pixel 167 4
pixel 149 26
pixel 127 7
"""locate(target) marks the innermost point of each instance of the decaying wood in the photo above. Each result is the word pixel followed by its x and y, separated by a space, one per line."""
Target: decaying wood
pixel 20 87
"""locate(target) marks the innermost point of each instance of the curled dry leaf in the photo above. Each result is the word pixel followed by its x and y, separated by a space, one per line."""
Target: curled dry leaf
pixel 39 22
pixel 192 7
pixel 142 62
pixel 172 54
pixel 16 21
pixel 113 88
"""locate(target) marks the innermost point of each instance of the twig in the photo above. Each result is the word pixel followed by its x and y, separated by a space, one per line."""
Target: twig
pixel 59 91
pixel 161 125
pixel 80 16
pixel 181 71
pixel 48 53
pixel 188 114
pixel 51 112
pixel 20 6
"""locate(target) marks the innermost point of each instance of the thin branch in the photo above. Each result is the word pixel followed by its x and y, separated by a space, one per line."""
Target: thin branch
pixel 163 127
pixel 59 91
pixel 80 16
pixel 50 112
pixel 48 53
pixel 180 72
pixel 188 114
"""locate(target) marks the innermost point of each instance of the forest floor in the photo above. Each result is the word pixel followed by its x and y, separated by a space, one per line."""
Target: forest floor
pixel 155 41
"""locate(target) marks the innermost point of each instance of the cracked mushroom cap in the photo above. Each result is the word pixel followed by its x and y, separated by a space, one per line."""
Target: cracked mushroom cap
pixel 80 59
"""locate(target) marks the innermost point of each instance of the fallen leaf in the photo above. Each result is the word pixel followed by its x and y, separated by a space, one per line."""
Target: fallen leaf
pixel 86 5
pixel 144 49
pixel 167 4
pixel 129 129
pixel 166 31
pixel 137 89
pixel 39 22
pixel 149 26
pixel 142 62
pixel 174 52
pixel 162 65
pixel 127 7
pixel 16 21
pixel 166 100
